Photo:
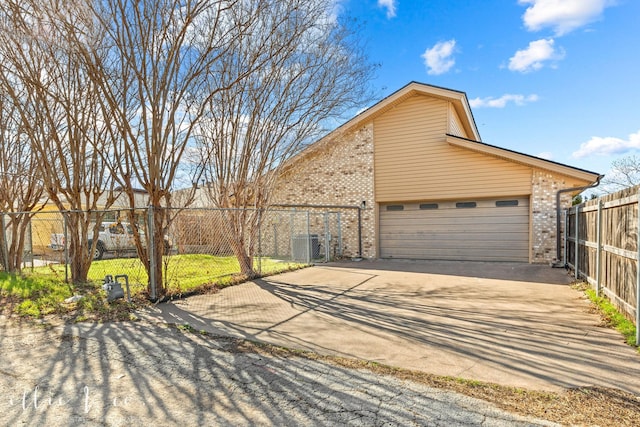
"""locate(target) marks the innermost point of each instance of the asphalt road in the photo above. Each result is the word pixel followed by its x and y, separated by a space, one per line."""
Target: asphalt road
pixel 147 374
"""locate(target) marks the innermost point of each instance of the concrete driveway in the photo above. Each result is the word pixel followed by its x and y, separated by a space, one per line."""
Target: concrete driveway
pixel 512 324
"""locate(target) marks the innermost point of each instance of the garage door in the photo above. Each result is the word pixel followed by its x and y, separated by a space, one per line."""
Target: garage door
pixel 479 230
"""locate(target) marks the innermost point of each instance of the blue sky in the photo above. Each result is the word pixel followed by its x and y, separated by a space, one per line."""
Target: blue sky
pixel 559 79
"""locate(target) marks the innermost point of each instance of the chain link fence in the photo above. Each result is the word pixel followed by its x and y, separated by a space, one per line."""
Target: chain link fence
pixel 200 245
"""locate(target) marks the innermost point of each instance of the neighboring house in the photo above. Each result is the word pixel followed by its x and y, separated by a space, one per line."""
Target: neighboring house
pixel 430 188
pixel 49 220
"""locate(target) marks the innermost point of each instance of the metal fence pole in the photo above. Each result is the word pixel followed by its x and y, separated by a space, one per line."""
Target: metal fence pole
pixel 327 238
pixel 260 242
pixel 359 232
pixel 339 219
pixel 65 228
pixel 599 248
pixel 577 243
pixel 4 248
pixel 291 235
pixel 151 255
pixel 308 245
pixel 275 240
pixel 31 242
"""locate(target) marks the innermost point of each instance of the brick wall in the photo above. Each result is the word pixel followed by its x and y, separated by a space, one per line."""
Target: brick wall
pixel 545 185
pixel 338 172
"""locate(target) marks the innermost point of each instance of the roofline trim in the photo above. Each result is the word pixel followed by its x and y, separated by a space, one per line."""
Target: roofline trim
pixel 417 87
pixel 406 90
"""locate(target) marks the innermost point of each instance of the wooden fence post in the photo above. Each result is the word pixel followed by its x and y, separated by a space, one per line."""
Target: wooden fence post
pixel 599 247
pixel 565 255
pixel 577 243
pixel 638 274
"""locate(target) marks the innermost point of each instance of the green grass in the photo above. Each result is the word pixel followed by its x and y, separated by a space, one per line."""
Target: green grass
pixel 613 317
pixel 182 273
pixel 42 291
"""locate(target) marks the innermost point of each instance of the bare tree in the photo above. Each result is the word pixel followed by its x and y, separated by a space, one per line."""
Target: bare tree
pixel 21 189
pixel 625 172
pixel 60 114
pixel 307 68
pixel 155 87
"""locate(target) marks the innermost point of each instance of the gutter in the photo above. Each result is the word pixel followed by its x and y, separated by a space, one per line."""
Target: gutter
pixel 563 264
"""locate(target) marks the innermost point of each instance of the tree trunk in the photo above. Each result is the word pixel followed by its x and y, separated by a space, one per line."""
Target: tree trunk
pixel 4 261
pixel 16 227
pixel 79 252
pixel 151 252
pixel 157 251
pixel 244 257
pixel 241 226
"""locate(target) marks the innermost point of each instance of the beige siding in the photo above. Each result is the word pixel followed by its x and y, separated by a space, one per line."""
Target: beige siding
pixel 455 125
pixel 414 162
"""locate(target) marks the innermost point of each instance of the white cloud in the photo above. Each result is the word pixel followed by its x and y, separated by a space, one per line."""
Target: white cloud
pixel 548 155
pixel 390 5
pixel 562 16
pixel 502 101
pixel 599 146
pixel 438 58
pixel 533 57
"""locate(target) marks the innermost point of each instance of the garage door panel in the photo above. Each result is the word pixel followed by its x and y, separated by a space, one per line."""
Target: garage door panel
pixel 444 227
pixel 443 240
pixel 461 255
pixel 455 244
pixel 426 217
pixel 485 232
pixel 458 222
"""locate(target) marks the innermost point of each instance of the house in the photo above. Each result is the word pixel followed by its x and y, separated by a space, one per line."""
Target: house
pixel 49 221
pixel 429 188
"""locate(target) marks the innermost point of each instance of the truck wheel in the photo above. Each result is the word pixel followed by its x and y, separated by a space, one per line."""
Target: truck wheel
pixel 99 251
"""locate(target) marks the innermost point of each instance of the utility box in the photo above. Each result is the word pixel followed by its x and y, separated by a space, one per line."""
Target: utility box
pixel 114 288
pixel 305 245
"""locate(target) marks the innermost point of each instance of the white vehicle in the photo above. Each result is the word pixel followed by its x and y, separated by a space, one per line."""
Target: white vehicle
pixel 113 237
pixel 118 237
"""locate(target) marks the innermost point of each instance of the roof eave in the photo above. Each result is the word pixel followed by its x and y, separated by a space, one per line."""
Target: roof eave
pixel 413 88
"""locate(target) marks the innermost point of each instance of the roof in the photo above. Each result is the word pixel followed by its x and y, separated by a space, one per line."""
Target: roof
pixel 460 103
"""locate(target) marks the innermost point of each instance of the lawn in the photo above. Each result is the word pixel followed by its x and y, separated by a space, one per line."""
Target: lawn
pixel 42 291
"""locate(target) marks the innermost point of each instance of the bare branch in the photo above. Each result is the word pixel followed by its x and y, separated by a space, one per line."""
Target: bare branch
pixel 294 71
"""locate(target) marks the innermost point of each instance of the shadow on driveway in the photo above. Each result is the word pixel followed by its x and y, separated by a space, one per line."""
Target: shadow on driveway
pixel 470 323
pixel 511 271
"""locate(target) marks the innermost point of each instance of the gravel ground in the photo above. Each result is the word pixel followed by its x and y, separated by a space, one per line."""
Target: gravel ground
pixel 138 373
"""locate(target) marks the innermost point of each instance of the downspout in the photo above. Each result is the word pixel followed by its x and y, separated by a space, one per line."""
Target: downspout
pixel 360 208
pixel 563 264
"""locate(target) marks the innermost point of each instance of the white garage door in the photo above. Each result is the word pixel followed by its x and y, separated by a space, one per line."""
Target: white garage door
pixel 479 230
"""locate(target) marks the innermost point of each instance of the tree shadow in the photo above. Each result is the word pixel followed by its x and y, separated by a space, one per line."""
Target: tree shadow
pixel 137 373
pixel 512 271
pixel 474 329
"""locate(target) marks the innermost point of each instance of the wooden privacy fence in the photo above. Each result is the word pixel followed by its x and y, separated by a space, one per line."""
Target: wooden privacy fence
pixel 601 245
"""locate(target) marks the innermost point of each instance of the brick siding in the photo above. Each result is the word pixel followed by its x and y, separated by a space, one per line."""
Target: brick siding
pixel 544 187
pixel 338 172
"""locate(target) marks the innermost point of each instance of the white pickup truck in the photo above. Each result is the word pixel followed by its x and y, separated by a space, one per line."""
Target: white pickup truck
pixel 113 237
